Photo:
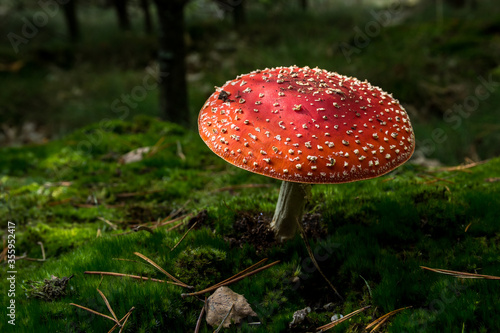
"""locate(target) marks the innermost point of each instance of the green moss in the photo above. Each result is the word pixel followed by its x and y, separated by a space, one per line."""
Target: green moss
pixel 200 266
pixel 379 233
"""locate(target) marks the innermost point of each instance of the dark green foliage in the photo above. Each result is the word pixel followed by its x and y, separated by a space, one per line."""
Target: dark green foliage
pixel 200 267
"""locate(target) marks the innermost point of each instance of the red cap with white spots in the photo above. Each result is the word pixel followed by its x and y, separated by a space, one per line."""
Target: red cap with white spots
pixel 306 125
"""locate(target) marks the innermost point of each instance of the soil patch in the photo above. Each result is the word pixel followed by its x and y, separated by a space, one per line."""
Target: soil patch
pixel 253 228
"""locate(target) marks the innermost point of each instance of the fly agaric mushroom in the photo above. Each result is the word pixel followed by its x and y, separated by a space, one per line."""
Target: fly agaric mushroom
pixel 305 126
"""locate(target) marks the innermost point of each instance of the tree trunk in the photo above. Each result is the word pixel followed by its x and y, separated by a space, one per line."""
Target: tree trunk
pixel 457 3
pixel 122 14
pixel 148 23
pixel 237 10
pixel 71 18
pixel 171 58
pixel 303 4
pixel 239 15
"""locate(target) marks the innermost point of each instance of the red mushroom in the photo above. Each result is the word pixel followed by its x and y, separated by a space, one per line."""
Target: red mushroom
pixel 305 126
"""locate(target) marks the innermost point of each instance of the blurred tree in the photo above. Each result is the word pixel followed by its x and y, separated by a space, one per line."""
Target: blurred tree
pixel 122 14
pixel 69 9
pixel 456 3
pixel 237 10
pixel 148 23
pixel 171 58
pixel 303 4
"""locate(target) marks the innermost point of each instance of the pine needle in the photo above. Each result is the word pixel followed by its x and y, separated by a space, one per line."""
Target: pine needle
pixel 313 259
pixel 184 236
pixel 231 280
pixel 463 167
pixel 109 307
pixel 248 269
pixel 336 322
pixel 224 319
pixel 92 311
pixel 124 319
pixel 462 275
pixel 161 269
pixel 378 322
pixel 198 322
pixel 130 276
pixel 111 224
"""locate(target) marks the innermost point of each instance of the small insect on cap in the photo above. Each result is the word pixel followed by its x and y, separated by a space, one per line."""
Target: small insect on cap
pixel 306 125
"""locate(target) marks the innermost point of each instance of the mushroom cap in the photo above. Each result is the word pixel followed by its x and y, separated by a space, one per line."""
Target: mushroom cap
pixel 306 125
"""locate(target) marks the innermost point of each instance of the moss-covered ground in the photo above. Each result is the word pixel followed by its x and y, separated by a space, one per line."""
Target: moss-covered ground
pixel 74 197
pixel 374 237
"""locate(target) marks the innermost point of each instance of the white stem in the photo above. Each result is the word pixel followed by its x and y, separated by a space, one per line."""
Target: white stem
pixel 289 209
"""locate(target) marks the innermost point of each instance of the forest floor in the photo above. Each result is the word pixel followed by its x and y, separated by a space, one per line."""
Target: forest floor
pixel 79 204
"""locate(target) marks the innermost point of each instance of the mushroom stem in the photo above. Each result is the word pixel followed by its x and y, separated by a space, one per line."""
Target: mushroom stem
pixel 289 209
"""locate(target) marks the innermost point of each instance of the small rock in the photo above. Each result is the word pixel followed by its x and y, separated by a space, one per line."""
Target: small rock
pixel 299 316
pixel 329 306
pixel 336 316
pixel 219 304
